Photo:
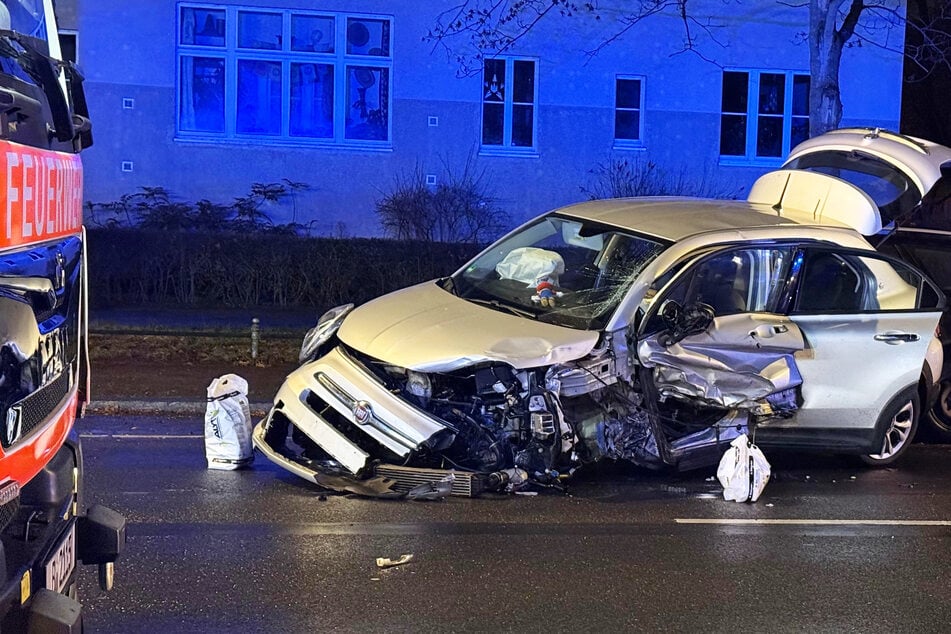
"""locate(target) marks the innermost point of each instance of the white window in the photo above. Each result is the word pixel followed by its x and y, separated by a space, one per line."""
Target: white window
pixel 284 76
pixel 764 114
pixel 509 95
pixel 628 111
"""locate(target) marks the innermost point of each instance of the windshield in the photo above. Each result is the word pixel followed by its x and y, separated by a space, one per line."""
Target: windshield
pixel 892 191
pixel 558 270
pixel 24 16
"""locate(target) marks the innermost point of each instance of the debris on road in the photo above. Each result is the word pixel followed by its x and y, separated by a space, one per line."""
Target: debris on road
pixel 228 424
pixel 386 562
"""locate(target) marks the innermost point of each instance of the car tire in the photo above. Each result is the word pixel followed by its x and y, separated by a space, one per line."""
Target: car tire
pixel 939 416
pixel 897 423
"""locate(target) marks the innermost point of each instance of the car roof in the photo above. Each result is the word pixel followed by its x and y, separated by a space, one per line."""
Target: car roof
pixel 675 218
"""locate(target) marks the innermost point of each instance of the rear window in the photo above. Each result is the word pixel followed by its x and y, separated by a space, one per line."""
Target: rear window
pixel 891 189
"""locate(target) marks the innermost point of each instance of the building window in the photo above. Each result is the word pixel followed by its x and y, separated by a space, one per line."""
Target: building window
pixel 628 106
pixel 509 95
pixel 763 114
pixel 68 45
pixel 283 76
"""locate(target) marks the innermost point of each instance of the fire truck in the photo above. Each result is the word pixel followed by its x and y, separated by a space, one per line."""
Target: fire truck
pixel 45 529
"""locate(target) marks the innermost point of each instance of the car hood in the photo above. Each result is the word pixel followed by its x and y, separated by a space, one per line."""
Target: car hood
pixel 428 329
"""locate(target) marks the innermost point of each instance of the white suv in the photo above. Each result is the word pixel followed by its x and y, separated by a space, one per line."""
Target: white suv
pixel 652 330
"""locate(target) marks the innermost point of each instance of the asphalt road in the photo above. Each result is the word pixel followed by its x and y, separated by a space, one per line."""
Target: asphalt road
pixel 830 547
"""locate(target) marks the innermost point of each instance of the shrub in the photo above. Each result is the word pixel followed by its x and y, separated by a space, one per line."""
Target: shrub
pixel 621 178
pixel 153 208
pixel 457 209
pixel 133 266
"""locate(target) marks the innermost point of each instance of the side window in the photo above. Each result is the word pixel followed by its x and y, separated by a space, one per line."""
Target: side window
pixel 740 280
pixel 850 283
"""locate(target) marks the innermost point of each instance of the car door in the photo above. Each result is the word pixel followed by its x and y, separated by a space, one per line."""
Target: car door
pixel 868 321
pixel 716 337
pixel 805 337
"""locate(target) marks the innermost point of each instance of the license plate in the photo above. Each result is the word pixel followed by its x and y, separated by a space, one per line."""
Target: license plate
pixel 59 566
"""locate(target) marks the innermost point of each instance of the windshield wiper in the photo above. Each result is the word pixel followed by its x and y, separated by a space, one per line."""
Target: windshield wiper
pixel 500 306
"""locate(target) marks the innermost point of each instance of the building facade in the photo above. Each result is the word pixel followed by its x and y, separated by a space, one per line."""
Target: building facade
pixel 346 96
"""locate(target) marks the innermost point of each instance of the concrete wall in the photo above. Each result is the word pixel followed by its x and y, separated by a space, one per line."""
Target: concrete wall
pixel 128 50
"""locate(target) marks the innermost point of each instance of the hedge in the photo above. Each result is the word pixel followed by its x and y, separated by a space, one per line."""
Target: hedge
pixel 149 267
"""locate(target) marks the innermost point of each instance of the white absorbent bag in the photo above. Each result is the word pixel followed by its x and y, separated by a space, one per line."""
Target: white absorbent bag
pixel 228 424
pixel 743 471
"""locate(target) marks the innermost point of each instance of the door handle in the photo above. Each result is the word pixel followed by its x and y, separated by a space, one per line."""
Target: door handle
pixel 896 337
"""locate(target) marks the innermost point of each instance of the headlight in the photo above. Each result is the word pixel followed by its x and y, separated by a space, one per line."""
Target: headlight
pixel 326 326
pixel 418 384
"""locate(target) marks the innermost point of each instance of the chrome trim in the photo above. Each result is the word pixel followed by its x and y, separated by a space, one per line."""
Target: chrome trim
pixel 351 403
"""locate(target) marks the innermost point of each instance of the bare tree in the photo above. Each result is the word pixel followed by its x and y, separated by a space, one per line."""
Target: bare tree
pixel 475 29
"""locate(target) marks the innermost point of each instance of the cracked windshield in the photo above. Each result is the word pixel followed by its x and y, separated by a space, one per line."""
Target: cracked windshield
pixel 568 272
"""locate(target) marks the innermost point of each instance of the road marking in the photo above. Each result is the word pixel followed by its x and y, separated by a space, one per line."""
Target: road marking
pixel 151 436
pixel 811 522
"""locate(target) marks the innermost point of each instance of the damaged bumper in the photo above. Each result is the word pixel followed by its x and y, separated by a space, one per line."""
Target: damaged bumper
pixel 329 401
pixel 325 408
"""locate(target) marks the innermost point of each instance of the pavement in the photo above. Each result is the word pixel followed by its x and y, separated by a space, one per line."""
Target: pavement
pixel 172 389
pixel 173 407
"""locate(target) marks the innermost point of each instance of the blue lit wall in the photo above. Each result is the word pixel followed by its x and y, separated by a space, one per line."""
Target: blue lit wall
pixel 132 55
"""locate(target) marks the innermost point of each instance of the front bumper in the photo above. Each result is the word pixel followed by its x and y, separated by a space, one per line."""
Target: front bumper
pixel 349 414
pixel 45 539
pixel 365 454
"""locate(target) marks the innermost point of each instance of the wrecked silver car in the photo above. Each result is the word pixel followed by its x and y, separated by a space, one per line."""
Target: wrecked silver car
pixel 651 330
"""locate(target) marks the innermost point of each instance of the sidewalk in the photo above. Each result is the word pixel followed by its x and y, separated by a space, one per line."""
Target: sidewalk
pixel 132 385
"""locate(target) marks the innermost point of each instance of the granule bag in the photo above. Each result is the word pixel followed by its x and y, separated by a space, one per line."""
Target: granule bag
pixel 228 424
pixel 743 471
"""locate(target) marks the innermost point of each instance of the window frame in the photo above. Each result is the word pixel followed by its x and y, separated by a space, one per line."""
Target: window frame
pixel 637 143
pixel 753 116
pixel 506 148
pixel 287 56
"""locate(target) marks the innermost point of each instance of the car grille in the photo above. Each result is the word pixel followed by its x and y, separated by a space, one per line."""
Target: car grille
pixel 346 427
pixel 8 511
pixel 37 407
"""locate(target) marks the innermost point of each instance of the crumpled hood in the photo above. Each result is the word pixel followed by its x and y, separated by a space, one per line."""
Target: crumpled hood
pixel 428 329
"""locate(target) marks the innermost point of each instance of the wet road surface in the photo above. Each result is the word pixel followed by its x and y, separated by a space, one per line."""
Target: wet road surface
pixel 829 547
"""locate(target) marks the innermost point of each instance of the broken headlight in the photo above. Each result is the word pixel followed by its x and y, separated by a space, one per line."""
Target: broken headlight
pixel 419 385
pixel 326 326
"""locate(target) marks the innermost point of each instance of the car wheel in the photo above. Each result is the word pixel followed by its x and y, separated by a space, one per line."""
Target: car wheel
pixel 898 422
pixel 939 418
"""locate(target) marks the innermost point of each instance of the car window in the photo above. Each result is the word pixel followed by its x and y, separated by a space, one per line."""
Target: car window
pixel 832 283
pixel 735 280
pixel 929 253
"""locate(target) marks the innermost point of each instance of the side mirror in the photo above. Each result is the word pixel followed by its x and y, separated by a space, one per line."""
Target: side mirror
pixel 672 313
pixel 690 320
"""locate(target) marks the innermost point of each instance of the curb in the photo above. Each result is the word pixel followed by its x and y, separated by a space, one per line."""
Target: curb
pixel 161 408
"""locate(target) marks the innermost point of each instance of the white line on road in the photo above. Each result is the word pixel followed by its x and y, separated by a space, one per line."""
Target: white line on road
pixel 151 436
pixel 811 522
